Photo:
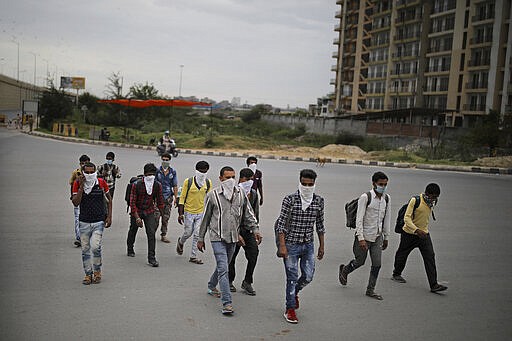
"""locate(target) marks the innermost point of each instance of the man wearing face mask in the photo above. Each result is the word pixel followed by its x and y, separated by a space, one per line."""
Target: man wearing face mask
pixel 166 175
pixel 247 239
pixel 372 232
pixel 109 172
pixel 143 196
pixel 252 163
pixel 76 209
pixel 191 207
pixel 416 235
pixel 226 210
pixel 300 212
pixel 89 193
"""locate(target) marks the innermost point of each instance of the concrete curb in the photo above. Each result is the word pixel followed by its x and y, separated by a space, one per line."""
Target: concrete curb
pixel 465 169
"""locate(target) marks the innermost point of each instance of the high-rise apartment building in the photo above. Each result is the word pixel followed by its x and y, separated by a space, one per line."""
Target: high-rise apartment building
pixel 453 55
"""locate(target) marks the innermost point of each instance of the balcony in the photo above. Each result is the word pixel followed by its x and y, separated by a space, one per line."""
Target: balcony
pixel 406 18
pixel 414 35
pixel 376 43
pixel 336 41
pixel 437 68
pixel 337 27
pixel 476 85
pixel 404 72
pixel 338 14
pixel 335 54
pixel 480 40
pixel 334 68
pixel 378 75
pixel 440 48
pixel 403 3
pixel 474 107
pixel 442 28
pixel 447 6
pixel 478 18
pixel 480 62
pixel 440 88
pixel 333 81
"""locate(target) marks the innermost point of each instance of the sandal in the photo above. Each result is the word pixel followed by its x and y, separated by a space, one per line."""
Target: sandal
pixel 214 292
pixel 179 247
pixel 374 295
pixel 195 261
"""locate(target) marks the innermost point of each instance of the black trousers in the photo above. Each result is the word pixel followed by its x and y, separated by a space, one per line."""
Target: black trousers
pixel 251 254
pixel 151 224
pixel 409 242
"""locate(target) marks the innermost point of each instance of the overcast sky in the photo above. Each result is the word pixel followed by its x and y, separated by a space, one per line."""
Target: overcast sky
pixel 263 51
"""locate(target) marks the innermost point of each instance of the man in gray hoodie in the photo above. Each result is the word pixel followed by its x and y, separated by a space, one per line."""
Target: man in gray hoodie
pixel 226 210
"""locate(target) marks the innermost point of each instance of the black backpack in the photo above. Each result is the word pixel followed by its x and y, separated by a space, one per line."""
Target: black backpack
pixel 399 227
pixel 351 209
pixel 129 190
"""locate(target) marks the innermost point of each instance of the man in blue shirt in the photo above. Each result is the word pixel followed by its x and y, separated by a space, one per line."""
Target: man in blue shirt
pixel 167 177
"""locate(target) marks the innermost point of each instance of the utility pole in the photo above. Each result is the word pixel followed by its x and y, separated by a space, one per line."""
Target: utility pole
pixel 181 78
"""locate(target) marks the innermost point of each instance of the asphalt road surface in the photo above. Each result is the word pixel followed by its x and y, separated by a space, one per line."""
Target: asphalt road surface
pixel 42 298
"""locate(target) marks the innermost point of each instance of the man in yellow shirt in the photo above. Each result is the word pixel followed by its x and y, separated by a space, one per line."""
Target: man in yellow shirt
pixel 191 208
pixel 416 235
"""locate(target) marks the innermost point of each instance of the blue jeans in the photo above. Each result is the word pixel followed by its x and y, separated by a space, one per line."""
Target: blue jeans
pixel 191 229
pixel 306 254
pixel 91 235
pixel 223 252
pixel 76 211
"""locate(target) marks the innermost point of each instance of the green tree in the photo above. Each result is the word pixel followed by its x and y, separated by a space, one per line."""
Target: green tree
pixel 487 132
pixel 143 91
pixel 255 113
pixel 89 100
pixel 54 105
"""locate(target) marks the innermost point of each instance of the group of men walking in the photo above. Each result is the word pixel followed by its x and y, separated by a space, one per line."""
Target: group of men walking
pixel 229 213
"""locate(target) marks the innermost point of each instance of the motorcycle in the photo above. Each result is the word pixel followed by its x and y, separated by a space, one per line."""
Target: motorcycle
pixel 170 148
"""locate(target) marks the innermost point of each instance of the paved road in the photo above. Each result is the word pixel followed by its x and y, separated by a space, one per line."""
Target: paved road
pixel 41 295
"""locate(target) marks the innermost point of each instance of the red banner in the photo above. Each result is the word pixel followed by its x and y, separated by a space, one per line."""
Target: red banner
pixel 139 103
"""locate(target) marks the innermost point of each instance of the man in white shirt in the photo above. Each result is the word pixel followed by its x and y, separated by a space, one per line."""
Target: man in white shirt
pixel 372 231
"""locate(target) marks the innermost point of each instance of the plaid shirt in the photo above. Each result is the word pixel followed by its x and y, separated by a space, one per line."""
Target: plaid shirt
pixel 300 226
pixel 141 202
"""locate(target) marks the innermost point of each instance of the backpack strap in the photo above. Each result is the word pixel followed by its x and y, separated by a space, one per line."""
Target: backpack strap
pixel 187 186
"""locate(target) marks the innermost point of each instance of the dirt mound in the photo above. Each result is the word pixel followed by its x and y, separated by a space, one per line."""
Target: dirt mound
pixel 499 161
pixel 342 151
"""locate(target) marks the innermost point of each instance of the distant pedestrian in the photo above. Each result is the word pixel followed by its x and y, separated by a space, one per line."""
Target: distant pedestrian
pixel 110 172
pixel 166 175
pixel 144 193
pixel 30 122
pixel 416 235
pixel 89 194
pixel 252 163
pixel 300 212
pixel 191 208
pixel 18 122
pixel 248 240
pixel 372 232
pixel 226 210
pixel 76 209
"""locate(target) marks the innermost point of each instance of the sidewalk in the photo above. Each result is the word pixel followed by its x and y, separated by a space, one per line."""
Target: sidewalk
pixel 466 169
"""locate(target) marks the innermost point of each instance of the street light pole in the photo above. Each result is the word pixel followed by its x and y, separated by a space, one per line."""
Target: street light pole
pixel 35 65
pixel 181 77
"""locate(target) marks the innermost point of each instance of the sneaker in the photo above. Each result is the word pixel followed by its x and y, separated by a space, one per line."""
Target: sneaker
pixel 296 302
pixel 227 309
pixel 154 263
pixel 232 287
pixel 165 239
pixel 248 288
pixel 179 247
pixel 87 280
pixel 77 243
pixel 96 277
pixel 438 288
pixel 289 316
pixel 214 292
pixel 373 294
pixel 342 276
pixel 130 253
pixel 399 279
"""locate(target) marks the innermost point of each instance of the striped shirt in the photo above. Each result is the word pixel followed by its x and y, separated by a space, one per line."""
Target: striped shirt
pixel 299 229
pixel 223 218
